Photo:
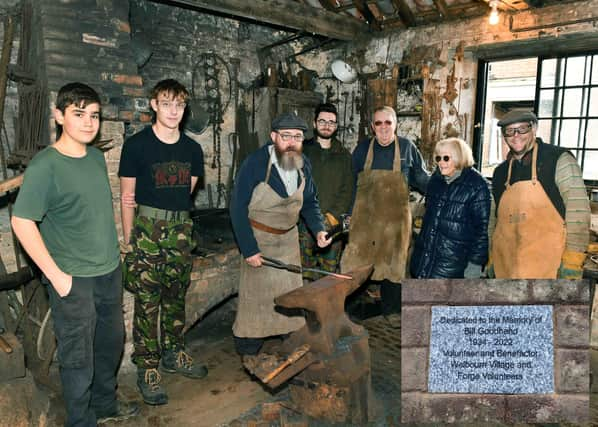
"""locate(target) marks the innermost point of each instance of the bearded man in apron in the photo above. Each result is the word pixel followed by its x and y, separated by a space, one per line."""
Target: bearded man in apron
pixel 542 210
pixel 273 187
pixel 384 168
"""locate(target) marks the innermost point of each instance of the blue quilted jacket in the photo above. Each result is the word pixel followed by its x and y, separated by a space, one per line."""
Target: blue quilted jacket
pixel 455 226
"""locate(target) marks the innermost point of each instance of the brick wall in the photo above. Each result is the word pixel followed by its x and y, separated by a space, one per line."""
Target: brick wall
pixel 570 301
pixel 178 38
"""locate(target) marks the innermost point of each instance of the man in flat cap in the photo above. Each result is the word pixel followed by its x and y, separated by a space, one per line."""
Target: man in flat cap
pixel 273 187
pixel 542 215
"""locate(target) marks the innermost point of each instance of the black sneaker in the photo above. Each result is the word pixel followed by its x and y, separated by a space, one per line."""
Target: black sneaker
pixel 124 411
pixel 148 382
pixel 179 362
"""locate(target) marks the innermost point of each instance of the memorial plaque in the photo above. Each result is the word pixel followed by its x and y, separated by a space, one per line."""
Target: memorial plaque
pixel 491 349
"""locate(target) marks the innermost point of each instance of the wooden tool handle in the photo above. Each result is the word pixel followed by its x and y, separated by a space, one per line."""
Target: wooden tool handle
pixel 4 345
pixel 296 355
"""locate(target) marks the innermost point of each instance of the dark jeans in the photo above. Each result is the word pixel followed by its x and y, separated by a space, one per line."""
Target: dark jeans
pixel 89 328
pixel 390 294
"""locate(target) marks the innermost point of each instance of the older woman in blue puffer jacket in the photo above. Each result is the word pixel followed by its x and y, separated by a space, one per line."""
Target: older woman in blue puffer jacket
pixel 453 242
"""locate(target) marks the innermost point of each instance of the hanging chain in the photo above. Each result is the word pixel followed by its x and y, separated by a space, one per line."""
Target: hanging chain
pixel 214 98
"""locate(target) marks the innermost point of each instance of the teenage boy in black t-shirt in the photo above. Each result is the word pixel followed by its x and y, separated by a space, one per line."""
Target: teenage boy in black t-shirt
pixel 159 168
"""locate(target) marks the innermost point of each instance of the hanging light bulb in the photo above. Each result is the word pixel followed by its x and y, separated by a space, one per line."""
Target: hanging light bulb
pixel 493 18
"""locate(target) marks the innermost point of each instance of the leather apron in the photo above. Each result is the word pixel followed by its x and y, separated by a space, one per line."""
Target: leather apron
pixel 529 239
pixel 381 221
pixel 258 286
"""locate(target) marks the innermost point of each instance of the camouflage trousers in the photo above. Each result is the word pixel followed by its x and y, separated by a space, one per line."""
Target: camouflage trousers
pixel 312 256
pixel 157 272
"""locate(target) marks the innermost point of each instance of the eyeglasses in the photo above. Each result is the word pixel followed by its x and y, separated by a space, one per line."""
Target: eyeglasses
pixel 323 122
pixel 378 123
pixel 439 158
pixel 169 104
pixel 286 137
pixel 521 130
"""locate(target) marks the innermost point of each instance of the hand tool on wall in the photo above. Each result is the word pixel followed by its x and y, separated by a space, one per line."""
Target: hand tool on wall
pixel 345 95
pixel 272 262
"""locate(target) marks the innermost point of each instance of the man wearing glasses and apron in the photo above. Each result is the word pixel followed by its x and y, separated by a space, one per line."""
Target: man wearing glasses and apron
pixel 384 168
pixel 273 187
pixel 542 209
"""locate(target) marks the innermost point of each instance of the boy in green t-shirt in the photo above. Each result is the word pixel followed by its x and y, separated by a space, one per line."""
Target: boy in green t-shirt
pixel 64 220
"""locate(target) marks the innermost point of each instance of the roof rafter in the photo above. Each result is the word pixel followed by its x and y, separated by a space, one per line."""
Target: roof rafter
pixel 405 12
pixel 442 8
pixel 289 14
pixel 365 11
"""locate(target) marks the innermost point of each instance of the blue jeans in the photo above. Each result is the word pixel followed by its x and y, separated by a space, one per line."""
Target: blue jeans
pixel 89 328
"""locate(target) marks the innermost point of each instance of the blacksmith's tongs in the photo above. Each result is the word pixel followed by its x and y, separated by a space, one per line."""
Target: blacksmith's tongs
pixel 272 262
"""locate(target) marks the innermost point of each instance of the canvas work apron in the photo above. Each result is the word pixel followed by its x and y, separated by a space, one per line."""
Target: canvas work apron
pixel 529 239
pixel 381 222
pixel 256 317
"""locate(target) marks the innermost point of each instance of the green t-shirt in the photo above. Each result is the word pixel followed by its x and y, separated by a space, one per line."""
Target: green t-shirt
pixel 71 200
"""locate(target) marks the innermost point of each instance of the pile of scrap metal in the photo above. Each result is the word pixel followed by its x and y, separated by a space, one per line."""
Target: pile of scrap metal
pixel 327 362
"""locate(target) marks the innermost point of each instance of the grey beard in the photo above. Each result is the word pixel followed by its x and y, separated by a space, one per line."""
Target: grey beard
pixel 290 160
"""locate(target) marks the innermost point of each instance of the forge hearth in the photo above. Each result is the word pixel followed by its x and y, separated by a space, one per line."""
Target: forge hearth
pixel 327 362
pixel 212 231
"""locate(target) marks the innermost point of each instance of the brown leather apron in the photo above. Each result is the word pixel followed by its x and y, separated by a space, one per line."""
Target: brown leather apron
pixel 381 222
pixel 529 239
pixel 256 317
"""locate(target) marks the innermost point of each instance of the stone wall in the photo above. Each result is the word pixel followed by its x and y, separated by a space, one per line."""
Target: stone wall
pixel 570 302
pixel 567 27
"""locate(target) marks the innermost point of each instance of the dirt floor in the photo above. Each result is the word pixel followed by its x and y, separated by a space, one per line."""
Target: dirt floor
pixel 229 396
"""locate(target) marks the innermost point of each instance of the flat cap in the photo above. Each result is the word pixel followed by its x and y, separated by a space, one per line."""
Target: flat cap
pixel 517 116
pixel 289 121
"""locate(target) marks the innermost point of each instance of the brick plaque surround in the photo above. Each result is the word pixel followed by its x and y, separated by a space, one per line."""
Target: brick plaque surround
pixel 491 349
pixel 429 394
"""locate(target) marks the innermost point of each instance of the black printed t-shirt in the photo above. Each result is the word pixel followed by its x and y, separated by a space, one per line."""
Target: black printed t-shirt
pixel 163 171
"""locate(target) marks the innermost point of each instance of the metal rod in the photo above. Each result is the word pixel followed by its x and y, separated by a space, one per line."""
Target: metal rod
pixel 272 262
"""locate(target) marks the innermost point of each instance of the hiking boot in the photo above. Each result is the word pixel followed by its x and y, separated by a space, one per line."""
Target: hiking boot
pixel 124 411
pixel 179 362
pixel 148 381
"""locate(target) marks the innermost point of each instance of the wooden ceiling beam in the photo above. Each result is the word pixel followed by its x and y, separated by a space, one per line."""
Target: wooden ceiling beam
pixel 469 10
pixel 365 11
pixel 405 12
pixel 534 3
pixel 284 13
pixel 442 8
pixel 327 4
